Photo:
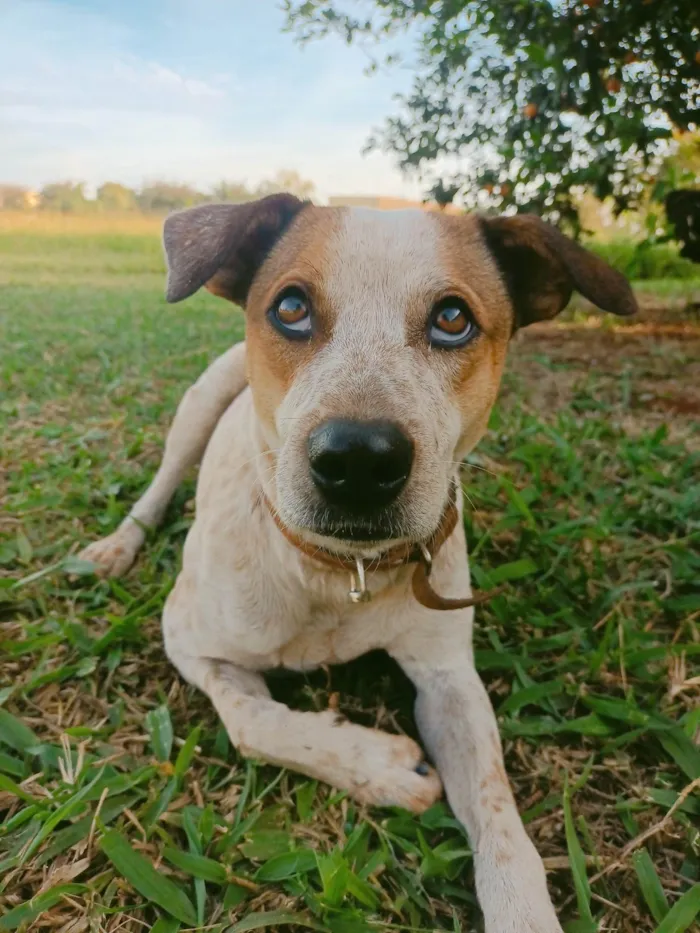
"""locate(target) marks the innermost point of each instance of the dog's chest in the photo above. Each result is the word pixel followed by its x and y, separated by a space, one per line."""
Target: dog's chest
pixel 323 639
pixel 322 631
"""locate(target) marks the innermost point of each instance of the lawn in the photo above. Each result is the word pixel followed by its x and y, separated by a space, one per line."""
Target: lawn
pixel 124 806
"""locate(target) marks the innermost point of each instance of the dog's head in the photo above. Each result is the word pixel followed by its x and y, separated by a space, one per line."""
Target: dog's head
pixel 376 342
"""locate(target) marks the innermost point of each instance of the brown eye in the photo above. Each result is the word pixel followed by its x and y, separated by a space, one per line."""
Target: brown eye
pixel 290 314
pixel 451 324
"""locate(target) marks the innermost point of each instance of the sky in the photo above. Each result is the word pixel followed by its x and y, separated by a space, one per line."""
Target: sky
pixel 192 91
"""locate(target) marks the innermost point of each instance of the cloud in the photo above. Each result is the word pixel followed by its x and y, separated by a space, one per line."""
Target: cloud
pixel 151 76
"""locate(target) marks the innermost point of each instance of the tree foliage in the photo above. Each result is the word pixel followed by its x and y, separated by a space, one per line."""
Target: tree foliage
pixel 113 196
pixel 63 196
pixel 527 100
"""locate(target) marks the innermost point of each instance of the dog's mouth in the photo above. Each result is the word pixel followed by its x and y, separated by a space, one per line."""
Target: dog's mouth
pixel 357 530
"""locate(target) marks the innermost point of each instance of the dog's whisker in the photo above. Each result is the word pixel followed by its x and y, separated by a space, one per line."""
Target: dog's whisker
pixel 469 500
pixel 262 453
pixel 476 466
pixel 467 463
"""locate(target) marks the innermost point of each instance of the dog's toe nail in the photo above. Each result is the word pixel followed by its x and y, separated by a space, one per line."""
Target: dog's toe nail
pixel 422 768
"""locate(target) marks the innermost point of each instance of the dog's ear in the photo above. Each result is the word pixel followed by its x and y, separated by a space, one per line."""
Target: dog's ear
pixel 541 268
pixel 222 246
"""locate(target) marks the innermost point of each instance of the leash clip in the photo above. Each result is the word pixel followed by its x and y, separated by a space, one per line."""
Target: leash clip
pixel 358 589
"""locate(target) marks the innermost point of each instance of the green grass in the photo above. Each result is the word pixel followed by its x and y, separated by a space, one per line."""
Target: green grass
pixel 123 804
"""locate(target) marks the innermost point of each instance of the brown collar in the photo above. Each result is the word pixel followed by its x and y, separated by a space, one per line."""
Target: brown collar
pixel 419 554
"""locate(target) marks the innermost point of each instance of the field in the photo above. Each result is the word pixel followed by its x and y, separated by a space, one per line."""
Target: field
pixel 123 806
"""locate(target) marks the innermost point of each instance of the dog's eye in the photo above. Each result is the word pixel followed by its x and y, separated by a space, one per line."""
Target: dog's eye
pixel 451 324
pixel 290 314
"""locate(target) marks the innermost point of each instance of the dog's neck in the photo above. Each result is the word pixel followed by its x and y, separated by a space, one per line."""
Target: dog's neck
pixel 420 554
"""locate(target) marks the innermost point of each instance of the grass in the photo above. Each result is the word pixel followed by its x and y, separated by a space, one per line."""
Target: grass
pixel 123 805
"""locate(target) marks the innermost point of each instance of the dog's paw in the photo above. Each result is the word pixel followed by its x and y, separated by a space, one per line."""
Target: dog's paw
pixel 394 773
pixel 113 555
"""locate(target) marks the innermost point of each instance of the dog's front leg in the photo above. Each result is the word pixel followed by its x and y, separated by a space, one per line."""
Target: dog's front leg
pixel 197 415
pixel 459 729
pixel 374 766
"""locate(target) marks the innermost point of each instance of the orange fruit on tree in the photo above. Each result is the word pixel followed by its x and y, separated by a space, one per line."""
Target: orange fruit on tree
pixel 530 110
pixel 614 85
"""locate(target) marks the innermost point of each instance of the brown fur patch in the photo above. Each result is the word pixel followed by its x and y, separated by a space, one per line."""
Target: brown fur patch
pixel 476 370
pixel 298 259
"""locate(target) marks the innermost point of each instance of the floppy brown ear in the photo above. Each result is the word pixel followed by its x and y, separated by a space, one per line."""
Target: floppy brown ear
pixel 223 245
pixel 541 268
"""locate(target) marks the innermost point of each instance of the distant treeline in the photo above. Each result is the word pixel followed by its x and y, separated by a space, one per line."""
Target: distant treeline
pixel 156 197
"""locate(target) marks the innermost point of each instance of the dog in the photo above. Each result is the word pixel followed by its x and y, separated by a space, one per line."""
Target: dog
pixel 328 507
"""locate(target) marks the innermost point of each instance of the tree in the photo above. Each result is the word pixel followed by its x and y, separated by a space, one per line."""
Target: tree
pixel 531 100
pixel 681 168
pixel 161 197
pixel 113 196
pixel 287 180
pixel 234 192
pixel 65 196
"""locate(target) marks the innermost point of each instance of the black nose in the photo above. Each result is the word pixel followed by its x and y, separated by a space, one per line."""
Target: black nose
pixel 359 465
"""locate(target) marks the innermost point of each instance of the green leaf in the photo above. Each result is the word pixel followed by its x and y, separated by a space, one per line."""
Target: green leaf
pixel 24 546
pixel 199 866
pixel 6 692
pixel 334 872
pixel 298 862
pixel 157 808
pixel 520 505
pixel 234 895
pixel 617 709
pixel 30 910
pixel 11 765
pixel 683 913
pixel 668 798
pixel 14 733
pixel 577 861
pixel 70 835
pixel 677 744
pixel 262 920
pixel 76 567
pixel 530 696
pixel 537 54
pixel 9 786
pixel 65 811
pixel 362 891
pixel 515 570
pixel 143 877
pixel 650 884
pixel 166 924
pixel 187 752
pixel 305 794
pixel 266 844
pixel 160 728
